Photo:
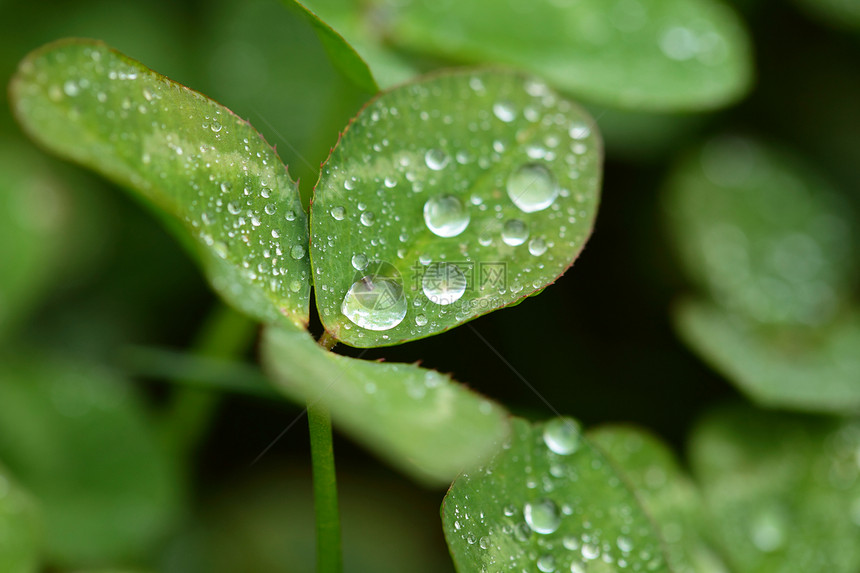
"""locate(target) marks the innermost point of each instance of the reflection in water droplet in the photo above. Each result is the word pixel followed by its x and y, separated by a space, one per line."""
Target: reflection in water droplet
pixel 579 130
pixel 504 110
pixel 420 320
pixel 436 159
pixel 532 187
pixel 297 252
pixel 590 551
pixel 537 246
pixel 443 283
pixel 367 218
pixel 338 213
pixel 542 516
pixel 562 435
pixel 359 261
pixel 446 216
pixel 376 300
pixel 515 232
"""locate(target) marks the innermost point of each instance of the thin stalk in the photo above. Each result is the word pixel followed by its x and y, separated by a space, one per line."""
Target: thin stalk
pixel 329 557
pixel 225 334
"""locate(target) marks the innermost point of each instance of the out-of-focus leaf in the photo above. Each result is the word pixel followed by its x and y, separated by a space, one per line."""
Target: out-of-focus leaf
pixel 342 55
pixel 783 491
pixel 665 491
pixel 264 523
pixel 636 54
pixel 359 23
pixel 447 199
pixel 800 369
pixel 205 167
pixel 549 501
pixel 837 13
pixel 77 438
pixel 418 420
pixel 20 528
pixel 266 63
pixel 761 232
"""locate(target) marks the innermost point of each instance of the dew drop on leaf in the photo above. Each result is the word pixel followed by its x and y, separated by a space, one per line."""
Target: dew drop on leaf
pixel 532 187
pixel 338 213
pixel 443 283
pixel 537 246
pixel 359 261
pixel 367 218
pixel 542 516
pixel 515 232
pixel 562 435
pixel 436 159
pixel 375 302
pixel 446 216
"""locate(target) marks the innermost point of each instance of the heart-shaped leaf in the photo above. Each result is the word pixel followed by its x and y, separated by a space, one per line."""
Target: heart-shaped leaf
pixel 813 370
pixel 341 54
pixel 642 54
pixel 761 232
pixel 208 169
pixel 20 528
pixel 78 439
pixel 417 419
pixel 549 501
pixel 783 491
pixel 447 199
pixel 665 491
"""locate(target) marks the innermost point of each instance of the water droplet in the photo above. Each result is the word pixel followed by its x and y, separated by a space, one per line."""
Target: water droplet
pixel 269 209
pixel 509 510
pixel 367 218
pixel 290 215
pixel 359 261
pixel 768 530
pixel 376 300
pixel 296 285
pixel 436 159
pixel 577 567
pixel 234 208
pixel 532 187
pixel 297 252
pixel 537 246
pixel 504 110
pixel 542 516
pixel 338 213
pixel 420 320
pixel 579 130
pixel 446 216
pixel 546 563
pixel 562 435
pixel 515 232
pixel 590 551
pixel 71 88
pixel 443 283
pixel 625 544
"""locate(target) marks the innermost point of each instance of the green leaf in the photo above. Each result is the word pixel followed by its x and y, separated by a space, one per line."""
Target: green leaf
pixel 810 370
pixel 418 420
pixel 447 199
pixel 78 439
pixel 20 528
pixel 533 507
pixel 646 55
pixel 765 235
pixel 359 25
pixel 341 54
pixel 666 493
pixel 783 491
pixel 208 169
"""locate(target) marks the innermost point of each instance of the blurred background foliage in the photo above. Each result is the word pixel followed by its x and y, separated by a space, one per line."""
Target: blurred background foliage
pixel 749 210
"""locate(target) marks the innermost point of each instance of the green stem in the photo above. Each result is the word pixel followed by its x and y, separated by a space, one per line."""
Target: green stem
pixel 329 559
pixel 225 334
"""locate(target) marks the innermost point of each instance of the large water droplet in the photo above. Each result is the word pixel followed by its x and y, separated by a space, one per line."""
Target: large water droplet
pixel 532 187
pixel 542 516
pixel 562 435
pixel 443 283
pixel 359 261
pixel 367 218
pixel 436 159
pixel 446 216
pixel 376 301
pixel 546 563
pixel 297 252
pixel 515 232
pixel 537 246
pixel 338 213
